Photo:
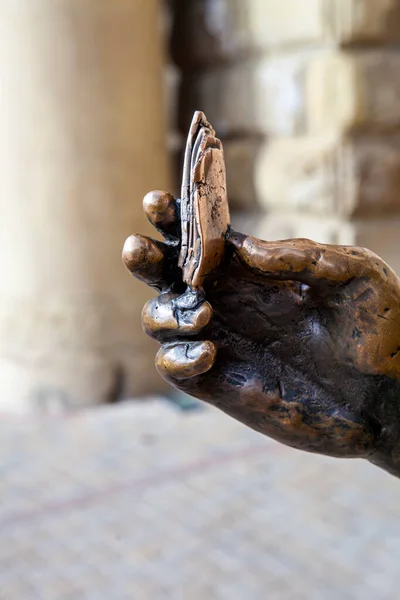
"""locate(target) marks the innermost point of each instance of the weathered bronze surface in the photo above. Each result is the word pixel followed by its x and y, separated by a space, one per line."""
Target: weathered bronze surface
pixel 298 340
pixel 204 204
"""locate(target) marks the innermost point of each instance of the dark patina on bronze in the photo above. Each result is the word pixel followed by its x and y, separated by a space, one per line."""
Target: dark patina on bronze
pixel 298 340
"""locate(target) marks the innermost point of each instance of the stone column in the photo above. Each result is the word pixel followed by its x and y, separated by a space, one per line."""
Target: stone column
pixel 306 97
pixel 82 140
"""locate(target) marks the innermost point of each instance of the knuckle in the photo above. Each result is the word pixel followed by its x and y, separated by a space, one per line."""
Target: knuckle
pixel 161 318
pixel 158 316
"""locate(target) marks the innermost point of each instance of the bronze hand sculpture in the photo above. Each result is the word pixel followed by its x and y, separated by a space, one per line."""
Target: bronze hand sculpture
pixel 298 340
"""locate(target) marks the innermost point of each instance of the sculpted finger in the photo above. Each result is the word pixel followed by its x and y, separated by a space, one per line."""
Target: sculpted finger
pixel 178 362
pixel 162 318
pixel 161 210
pixel 304 260
pixel 145 259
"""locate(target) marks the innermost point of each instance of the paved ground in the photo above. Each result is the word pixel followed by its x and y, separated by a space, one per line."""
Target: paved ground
pixel 148 503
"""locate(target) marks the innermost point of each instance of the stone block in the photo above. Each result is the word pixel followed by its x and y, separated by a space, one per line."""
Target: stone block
pixel 219 30
pixel 241 157
pixel 288 225
pixel 257 96
pixel 362 21
pixel 380 236
pixel 326 175
pixel 293 94
pixel 348 91
pixel 207 32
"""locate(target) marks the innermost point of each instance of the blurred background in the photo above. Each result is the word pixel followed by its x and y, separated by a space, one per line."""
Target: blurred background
pixel 112 486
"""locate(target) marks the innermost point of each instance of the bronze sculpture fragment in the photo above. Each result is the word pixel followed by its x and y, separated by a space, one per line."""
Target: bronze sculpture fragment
pixel 204 211
pixel 298 340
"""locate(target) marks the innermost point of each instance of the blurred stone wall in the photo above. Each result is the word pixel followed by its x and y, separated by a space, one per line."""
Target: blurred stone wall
pixel 306 97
